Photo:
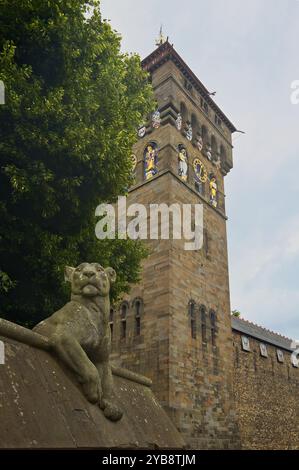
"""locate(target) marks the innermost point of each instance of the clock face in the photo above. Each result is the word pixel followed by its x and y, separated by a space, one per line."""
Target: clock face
pixel 200 170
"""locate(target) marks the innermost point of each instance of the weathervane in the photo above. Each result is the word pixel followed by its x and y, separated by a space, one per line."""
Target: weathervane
pixel 161 39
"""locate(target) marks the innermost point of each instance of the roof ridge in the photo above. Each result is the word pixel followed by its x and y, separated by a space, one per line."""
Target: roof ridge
pixel 263 328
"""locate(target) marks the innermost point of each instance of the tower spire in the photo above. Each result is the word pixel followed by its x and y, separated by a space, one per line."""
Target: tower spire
pixel 161 39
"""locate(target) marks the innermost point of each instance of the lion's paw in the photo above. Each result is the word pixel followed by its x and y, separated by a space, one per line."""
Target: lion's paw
pixel 111 411
pixel 93 391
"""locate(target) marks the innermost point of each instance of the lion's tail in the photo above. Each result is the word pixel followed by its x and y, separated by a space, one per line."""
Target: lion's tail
pixel 24 335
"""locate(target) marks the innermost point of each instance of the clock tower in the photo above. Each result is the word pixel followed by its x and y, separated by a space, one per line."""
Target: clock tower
pixel 175 325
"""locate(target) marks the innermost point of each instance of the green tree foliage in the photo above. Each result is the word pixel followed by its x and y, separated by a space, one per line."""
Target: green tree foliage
pixel 236 313
pixel 73 103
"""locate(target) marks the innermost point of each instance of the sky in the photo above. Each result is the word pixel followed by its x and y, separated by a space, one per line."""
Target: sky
pixel 248 52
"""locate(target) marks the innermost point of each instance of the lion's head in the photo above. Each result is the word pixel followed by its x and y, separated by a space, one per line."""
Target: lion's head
pixel 90 279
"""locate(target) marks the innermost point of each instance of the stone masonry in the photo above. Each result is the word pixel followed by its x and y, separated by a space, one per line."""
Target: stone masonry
pixel 175 326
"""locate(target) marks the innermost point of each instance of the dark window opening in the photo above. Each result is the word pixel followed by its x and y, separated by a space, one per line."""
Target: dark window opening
pixel 138 318
pixel 123 331
pixel 123 324
pixel 213 337
pixel 192 319
pixel 138 326
pixel 213 327
pixel 203 318
pixel 204 333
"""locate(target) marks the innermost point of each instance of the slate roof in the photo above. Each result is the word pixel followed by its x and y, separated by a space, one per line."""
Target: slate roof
pixel 260 333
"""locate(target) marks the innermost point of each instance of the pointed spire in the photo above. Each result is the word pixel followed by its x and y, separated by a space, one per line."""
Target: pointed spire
pixel 161 39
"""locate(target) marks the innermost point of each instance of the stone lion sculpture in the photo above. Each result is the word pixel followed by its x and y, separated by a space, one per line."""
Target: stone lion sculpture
pixel 79 333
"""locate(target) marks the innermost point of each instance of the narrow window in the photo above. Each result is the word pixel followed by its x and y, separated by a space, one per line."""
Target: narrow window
pixel 138 317
pixel 203 317
pixel 213 327
pixel 192 319
pixel 206 242
pixel 123 323
pixel 214 147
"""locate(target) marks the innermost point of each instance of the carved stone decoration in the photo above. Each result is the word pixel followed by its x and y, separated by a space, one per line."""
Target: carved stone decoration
pixel 199 143
pixel 79 333
pixel 150 160
pixel 245 344
pixel 263 350
pixel 213 190
pixel 217 163
pixel 189 132
pixel 294 360
pixel 156 119
pixel 179 122
pixel 209 152
pixel 280 355
pixel 200 171
pixel 141 131
pixel 182 163
pixel 134 162
pixel 134 166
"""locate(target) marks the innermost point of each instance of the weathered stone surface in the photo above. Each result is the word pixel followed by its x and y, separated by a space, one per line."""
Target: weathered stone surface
pixel 266 392
pixel 42 406
pixel 192 376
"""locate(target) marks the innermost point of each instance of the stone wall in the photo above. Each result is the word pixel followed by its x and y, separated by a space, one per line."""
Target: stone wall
pixel 192 377
pixel 266 396
pixel 42 406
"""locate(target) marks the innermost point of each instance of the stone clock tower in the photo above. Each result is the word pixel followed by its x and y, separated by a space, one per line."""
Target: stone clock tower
pixel 175 326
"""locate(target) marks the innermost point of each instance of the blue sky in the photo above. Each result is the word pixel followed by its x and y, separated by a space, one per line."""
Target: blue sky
pixel 248 52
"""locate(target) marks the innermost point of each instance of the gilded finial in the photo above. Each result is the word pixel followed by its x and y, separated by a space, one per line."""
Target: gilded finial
pixel 161 39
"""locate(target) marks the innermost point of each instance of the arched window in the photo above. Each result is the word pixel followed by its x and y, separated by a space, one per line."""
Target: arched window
pixel 213 327
pixel 222 154
pixel 123 320
pixel 150 160
pixel 184 113
pixel 111 318
pixel 203 319
pixel 192 318
pixel 194 124
pixel 204 134
pixel 214 147
pixel 137 304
